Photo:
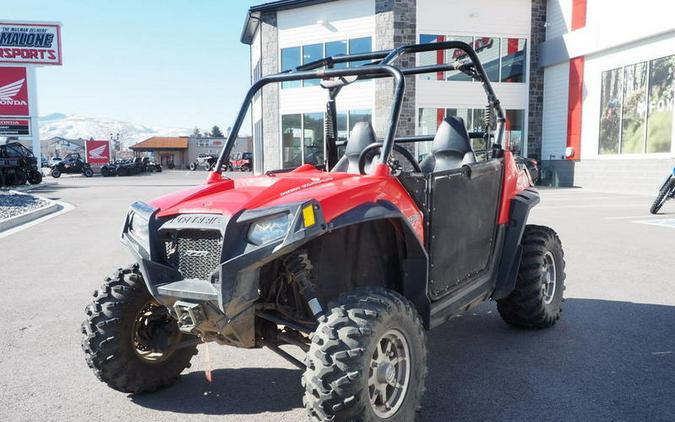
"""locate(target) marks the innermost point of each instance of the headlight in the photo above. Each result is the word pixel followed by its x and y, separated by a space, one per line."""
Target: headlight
pixel 269 228
pixel 138 227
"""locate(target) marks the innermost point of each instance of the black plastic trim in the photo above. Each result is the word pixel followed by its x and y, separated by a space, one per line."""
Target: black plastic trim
pixel 521 204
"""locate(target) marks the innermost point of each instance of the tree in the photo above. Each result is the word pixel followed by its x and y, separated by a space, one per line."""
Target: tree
pixel 216 133
pixel 196 133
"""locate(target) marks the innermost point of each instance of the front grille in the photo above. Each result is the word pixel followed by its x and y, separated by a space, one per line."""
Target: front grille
pixel 196 254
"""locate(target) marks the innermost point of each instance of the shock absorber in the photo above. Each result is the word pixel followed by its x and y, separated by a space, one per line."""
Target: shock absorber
pixel 300 268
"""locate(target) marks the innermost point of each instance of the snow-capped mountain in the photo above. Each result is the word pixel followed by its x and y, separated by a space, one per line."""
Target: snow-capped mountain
pixel 74 127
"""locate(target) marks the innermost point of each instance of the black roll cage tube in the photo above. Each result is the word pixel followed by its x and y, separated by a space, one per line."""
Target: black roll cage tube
pixel 376 69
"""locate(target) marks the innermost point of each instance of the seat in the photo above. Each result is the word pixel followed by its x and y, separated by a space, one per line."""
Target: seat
pixel 362 135
pixel 451 147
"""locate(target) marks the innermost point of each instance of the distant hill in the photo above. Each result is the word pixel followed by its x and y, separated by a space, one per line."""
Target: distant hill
pixel 74 126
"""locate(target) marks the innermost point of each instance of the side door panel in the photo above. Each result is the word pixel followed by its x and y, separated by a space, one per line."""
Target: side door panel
pixel 463 218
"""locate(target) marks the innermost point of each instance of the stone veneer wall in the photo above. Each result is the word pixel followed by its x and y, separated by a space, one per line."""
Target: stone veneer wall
pixel 395 25
pixel 270 93
pixel 536 100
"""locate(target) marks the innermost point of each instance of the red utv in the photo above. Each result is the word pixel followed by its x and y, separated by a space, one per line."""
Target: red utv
pixel 242 162
pixel 351 260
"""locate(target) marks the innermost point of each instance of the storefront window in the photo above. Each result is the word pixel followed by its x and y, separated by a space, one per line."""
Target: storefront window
pixel 633 120
pixel 487 50
pixel 513 59
pixel 610 111
pixel 430 57
pixel 660 107
pixel 456 55
pixel 291 128
pixel 359 116
pixel 360 45
pixel 313 138
pixel 334 48
pixel 311 53
pixel 290 58
pixel 515 131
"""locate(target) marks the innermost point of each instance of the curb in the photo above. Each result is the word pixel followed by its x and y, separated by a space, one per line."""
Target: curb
pixel 29 216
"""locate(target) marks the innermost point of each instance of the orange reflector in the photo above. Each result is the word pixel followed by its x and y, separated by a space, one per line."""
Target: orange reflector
pixel 308 215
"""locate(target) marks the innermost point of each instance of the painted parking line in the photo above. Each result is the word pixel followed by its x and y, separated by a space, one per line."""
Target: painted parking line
pixel 633 217
pixel 670 223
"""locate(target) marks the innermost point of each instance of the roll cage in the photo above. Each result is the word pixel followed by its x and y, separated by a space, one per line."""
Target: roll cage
pixel 380 67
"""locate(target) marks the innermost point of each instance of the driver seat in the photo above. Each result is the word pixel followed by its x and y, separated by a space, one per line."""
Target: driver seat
pixel 451 147
pixel 362 136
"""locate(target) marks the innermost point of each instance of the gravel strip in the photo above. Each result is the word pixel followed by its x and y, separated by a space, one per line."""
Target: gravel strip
pixel 12 204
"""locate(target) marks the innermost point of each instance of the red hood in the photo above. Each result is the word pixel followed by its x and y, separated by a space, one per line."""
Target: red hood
pixel 336 193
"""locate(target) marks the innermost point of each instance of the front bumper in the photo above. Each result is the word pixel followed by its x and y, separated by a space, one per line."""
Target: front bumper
pixel 230 293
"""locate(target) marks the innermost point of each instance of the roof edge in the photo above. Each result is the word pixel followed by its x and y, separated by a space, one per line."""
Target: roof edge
pixel 252 19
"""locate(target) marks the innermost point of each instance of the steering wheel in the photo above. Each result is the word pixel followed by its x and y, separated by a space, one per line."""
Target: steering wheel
pixel 370 150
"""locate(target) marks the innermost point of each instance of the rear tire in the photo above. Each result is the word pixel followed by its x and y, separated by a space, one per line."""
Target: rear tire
pixel 662 196
pixel 193 166
pixel 118 333
pixel 537 298
pixel 370 344
pixel 35 178
pixel 55 173
pixel 88 173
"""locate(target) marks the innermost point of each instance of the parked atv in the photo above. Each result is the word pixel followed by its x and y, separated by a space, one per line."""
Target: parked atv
pixel 110 169
pixel 243 162
pixel 351 261
pixel 205 161
pixel 71 164
pixel 666 192
pixel 18 165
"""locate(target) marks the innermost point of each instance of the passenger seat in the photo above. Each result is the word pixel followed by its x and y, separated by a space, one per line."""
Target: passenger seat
pixel 451 147
pixel 362 136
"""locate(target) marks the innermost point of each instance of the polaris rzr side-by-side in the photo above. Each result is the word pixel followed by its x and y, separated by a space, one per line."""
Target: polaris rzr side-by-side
pixel 351 260
pixel 71 164
pixel 18 165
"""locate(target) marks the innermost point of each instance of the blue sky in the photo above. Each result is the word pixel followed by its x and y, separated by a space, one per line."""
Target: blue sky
pixel 172 63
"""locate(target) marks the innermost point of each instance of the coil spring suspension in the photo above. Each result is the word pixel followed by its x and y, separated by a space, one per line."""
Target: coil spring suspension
pixel 300 268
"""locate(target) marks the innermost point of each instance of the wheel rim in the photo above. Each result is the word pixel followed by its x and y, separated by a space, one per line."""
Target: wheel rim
pixel 549 278
pixel 389 373
pixel 154 325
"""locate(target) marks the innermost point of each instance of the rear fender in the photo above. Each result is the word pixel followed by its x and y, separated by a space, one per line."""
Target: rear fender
pixel 520 207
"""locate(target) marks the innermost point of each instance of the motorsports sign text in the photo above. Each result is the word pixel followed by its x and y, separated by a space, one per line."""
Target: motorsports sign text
pixel 30 43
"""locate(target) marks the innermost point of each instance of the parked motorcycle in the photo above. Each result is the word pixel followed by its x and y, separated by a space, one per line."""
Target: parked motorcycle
pixel 666 192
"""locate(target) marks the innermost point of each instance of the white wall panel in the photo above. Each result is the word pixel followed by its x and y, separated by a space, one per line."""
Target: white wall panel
pixel 554 125
pixel 476 17
pixel 342 19
pixel 558 18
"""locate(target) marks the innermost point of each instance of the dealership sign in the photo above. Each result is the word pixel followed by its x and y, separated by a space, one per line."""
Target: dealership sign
pixel 97 152
pixel 30 43
pixel 13 91
pixel 14 127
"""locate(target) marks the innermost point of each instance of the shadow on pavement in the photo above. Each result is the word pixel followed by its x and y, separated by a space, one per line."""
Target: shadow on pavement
pixel 604 360
pixel 233 391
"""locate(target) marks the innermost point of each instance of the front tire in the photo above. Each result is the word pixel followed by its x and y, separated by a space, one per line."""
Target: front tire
pixel 125 334
pixel 367 360
pixel 56 173
pixel 662 196
pixel 537 298
pixel 88 172
pixel 35 177
pixel 192 166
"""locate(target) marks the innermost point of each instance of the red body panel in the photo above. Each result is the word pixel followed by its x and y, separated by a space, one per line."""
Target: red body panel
pixel 336 193
pixel 515 180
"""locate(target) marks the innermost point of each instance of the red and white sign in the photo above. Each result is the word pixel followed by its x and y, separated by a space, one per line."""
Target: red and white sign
pixel 30 43
pixel 13 91
pixel 14 127
pixel 97 152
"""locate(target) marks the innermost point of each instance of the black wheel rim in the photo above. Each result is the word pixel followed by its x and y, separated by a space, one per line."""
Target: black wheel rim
pixel 153 333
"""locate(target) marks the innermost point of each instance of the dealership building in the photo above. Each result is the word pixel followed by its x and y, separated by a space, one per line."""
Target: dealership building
pixel 587 88
pixel 183 150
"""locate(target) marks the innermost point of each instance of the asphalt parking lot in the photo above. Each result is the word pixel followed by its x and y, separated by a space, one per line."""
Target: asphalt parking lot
pixel 611 357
